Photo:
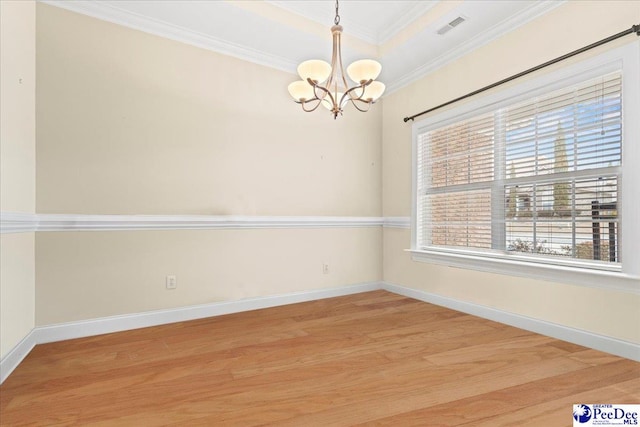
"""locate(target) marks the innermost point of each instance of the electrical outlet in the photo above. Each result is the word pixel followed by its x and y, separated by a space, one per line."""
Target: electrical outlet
pixel 172 282
pixel 325 268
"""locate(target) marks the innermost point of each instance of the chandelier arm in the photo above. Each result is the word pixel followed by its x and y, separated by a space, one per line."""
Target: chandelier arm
pixel 353 101
pixel 333 98
pixel 317 86
pixel 303 103
pixel 361 86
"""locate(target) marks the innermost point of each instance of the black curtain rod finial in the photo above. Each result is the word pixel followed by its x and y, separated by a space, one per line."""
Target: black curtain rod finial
pixel 636 28
pixel 406 119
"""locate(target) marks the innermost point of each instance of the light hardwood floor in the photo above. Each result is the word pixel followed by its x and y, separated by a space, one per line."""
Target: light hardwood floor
pixel 368 359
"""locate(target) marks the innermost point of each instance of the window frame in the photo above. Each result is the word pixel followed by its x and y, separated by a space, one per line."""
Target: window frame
pixel 624 276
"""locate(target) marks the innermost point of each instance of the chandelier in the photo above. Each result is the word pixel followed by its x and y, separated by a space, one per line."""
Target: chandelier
pixel 327 85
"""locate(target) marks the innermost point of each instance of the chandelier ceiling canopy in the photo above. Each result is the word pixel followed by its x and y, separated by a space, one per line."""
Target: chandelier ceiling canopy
pixel 326 84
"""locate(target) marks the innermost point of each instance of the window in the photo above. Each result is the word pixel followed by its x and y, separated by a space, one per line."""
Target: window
pixel 530 180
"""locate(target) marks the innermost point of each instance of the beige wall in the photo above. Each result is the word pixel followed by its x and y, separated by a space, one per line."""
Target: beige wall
pixel 568 27
pixel 17 168
pixel 608 313
pixel 17 107
pixel 86 275
pixel 130 123
pixel 17 289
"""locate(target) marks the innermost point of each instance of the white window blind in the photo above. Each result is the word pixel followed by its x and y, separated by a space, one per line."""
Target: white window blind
pixel 538 178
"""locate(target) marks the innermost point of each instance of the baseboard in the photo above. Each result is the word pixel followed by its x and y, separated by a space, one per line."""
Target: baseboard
pixel 105 325
pixel 577 336
pixel 16 355
pixel 86 328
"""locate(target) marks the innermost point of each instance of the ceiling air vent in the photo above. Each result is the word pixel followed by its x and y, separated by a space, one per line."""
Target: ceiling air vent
pixel 459 20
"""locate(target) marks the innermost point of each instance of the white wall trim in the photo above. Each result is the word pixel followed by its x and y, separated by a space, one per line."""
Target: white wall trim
pixel 624 276
pixel 18 222
pixel 397 222
pixel 419 8
pixel 51 222
pixel 15 222
pixel 110 13
pixel 486 37
pixel 361 32
pixel 610 345
pixel 523 266
pixel 12 359
pixel 92 327
pixel 326 15
pixel 104 325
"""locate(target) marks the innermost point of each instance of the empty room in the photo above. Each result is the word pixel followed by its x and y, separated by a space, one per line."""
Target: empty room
pixel 319 213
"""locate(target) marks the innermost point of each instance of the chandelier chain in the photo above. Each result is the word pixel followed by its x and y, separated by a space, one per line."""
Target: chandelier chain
pixel 336 21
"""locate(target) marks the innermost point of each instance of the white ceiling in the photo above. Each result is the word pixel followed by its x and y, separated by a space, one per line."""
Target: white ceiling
pixel 401 34
pixel 372 21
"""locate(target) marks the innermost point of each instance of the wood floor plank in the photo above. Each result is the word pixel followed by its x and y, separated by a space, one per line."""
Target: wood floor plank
pixel 500 404
pixel 552 412
pixel 374 358
pixel 425 388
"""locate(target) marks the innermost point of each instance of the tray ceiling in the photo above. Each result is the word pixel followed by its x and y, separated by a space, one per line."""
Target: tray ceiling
pixel 402 35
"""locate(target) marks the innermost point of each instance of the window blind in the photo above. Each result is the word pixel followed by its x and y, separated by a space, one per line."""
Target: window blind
pixel 538 178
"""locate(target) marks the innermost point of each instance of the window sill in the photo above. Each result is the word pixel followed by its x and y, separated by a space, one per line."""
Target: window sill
pixel 613 280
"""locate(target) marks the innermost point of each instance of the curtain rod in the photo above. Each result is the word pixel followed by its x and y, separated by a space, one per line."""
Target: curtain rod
pixel 633 29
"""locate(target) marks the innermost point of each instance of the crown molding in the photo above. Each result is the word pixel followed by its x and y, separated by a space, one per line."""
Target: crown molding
pixel 506 26
pixel 359 31
pixel 325 17
pixel 110 13
pixel 419 9
pixel 115 15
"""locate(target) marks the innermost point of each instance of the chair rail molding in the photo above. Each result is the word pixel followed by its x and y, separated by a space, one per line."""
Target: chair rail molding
pixel 18 222
pixel 13 222
pixel 397 222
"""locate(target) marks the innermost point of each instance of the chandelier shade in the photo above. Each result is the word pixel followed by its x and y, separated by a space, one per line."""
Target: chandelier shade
pixel 326 84
pixel 373 91
pixel 301 90
pixel 314 69
pixel 364 70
